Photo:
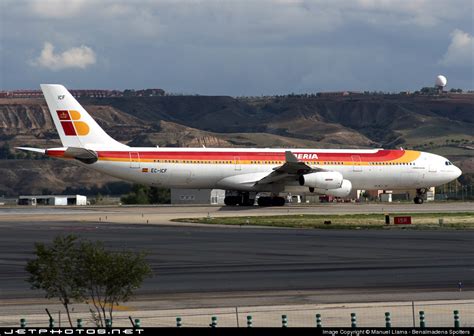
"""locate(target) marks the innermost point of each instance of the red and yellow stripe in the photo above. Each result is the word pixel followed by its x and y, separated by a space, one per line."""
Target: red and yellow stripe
pixel 243 157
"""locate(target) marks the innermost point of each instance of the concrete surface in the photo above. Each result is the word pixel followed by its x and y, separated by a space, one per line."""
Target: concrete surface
pixel 263 272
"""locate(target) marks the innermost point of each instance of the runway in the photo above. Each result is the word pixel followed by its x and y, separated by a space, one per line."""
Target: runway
pixel 164 214
pixel 244 260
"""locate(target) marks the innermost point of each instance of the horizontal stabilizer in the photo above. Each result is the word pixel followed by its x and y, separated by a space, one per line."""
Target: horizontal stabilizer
pixel 30 149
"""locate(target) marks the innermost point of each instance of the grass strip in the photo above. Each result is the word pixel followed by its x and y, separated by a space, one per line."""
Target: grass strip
pixel 464 220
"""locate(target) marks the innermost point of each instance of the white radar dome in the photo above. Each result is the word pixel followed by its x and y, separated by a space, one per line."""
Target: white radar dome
pixel 441 81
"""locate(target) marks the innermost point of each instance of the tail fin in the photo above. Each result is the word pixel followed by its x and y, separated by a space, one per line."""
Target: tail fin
pixel 75 126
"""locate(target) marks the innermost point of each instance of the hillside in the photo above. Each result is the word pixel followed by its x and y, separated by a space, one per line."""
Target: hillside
pixel 441 125
pixel 381 120
pixel 24 177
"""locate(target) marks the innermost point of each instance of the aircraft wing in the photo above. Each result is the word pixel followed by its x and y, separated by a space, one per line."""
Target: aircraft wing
pixel 291 169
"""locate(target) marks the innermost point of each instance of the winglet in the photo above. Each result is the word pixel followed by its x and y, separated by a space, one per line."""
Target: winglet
pixel 290 157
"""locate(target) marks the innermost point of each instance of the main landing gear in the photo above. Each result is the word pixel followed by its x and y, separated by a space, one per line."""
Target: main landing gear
pixel 239 198
pixel 420 194
pixel 233 198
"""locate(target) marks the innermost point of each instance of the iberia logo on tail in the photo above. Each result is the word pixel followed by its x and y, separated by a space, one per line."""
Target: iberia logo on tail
pixel 71 123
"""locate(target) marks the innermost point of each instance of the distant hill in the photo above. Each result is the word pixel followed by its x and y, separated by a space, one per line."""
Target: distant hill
pixel 443 125
pixel 361 121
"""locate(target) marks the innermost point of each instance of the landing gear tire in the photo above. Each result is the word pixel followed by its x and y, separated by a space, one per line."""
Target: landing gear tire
pixel 264 201
pixel 231 200
pixel 420 193
pixel 278 201
pixel 243 200
pixel 418 200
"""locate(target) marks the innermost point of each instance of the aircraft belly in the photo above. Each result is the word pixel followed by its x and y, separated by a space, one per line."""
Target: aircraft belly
pixel 120 170
pixel 375 177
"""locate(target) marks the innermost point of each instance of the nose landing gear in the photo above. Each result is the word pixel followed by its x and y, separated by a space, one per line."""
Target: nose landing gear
pixel 420 194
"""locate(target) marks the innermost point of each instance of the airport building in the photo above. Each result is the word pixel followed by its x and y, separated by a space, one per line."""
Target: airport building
pixel 197 196
pixel 52 200
pixel 395 195
pixel 216 196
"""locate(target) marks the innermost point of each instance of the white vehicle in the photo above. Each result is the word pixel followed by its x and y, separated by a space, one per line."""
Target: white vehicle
pixel 242 172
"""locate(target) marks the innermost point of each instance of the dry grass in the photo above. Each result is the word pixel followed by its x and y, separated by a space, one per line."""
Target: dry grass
pixel 356 221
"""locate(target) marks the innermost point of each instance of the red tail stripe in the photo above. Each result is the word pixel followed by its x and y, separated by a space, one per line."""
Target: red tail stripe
pixel 68 128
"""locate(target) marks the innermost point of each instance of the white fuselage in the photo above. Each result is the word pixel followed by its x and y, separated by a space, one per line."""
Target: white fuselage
pixel 239 168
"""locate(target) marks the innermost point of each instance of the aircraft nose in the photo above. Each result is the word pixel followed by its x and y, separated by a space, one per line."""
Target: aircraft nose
pixel 457 172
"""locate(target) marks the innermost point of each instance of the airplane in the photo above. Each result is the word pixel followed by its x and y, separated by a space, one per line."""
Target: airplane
pixel 242 172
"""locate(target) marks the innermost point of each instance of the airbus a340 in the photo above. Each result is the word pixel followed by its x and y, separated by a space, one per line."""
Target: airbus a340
pixel 242 172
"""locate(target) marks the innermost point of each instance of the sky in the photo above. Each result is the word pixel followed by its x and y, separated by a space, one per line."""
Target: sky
pixel 251 48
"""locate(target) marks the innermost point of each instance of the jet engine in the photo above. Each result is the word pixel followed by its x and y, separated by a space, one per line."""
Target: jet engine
pixel 322 180
pixel 343 191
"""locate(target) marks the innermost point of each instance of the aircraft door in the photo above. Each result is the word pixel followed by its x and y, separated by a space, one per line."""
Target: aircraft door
pixel 189 177
pixel 237 163
pixel 134 160
pixel 356 163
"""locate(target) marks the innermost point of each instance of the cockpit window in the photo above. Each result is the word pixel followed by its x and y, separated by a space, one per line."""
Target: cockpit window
pixel 448 163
